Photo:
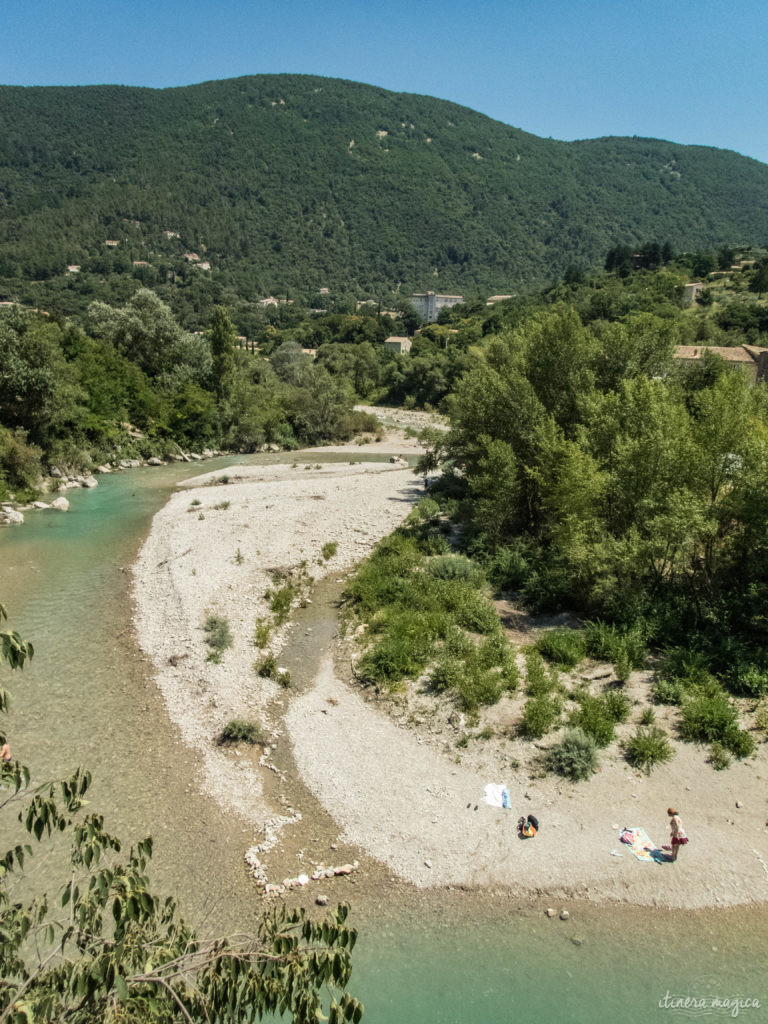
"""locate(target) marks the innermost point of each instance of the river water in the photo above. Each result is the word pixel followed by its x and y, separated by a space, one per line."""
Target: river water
pixel 87 698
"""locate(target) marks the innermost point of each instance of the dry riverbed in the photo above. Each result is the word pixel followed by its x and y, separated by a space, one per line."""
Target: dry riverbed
pixel 388 779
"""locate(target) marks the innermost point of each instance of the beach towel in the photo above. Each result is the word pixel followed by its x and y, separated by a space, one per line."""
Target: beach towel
pixel 640 844
pixel 494 794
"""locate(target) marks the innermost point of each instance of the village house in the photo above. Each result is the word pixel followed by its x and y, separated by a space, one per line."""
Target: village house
pixel 399 345
pixel 429 304
pixel 691 292
pixel 749 358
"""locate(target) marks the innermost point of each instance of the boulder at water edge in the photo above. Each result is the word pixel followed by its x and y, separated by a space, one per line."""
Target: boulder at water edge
pixel 11 517
pixel 61 504
pixel 154 461
pixel 89 481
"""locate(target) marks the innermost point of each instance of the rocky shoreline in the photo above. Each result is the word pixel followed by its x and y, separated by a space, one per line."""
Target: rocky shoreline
pixel 60 480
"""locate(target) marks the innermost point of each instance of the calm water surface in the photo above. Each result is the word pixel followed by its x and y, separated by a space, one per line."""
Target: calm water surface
pixel 86 698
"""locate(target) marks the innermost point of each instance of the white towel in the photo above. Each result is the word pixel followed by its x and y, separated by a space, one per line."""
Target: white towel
pixel 493 794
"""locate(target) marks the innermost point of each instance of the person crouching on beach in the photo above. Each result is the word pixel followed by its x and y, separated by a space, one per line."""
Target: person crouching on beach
pixel 678 836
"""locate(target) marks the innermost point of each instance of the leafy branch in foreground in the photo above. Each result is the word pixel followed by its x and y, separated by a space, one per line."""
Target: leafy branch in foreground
pixel 108 949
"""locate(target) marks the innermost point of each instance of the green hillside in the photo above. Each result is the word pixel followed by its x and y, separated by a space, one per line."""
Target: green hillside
pixel 292 183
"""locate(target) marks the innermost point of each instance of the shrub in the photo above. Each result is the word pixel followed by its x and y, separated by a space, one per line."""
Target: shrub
pixel 668 691
pixel 494 652
pixel 648 717
pixel 538 679
pixel 739 742
pixel 761 717
pixel 574 757
pixel 594 718
pixel 446 674
pixel 719 757
pixel 565 647
pixel 240 731
pixel 469 608
pixel 624 647
pixel 707 715
pixel 455 567
pixel 261 633
pixel 622 665
pixel 648 748
pixel 508 567
pixel 403 650
pixel 690 665
pixel 539 716
pixel 329 549
pixel 218 637
pixel 280 601
pixel 617 705
pixel 476 687
pixel 267 667
pixel 748 681
pixel 222 506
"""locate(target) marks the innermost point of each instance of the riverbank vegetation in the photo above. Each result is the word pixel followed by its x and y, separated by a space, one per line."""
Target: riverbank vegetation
pixel 587 472
pixel 130 382
pixel 103 946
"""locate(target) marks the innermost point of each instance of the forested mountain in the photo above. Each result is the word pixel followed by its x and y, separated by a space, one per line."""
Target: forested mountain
pixel 292 183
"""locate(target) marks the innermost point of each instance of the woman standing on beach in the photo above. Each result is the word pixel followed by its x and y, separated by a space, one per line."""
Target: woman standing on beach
pixel 679 838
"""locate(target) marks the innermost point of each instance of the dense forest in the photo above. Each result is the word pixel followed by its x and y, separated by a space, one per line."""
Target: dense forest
pixel 228 191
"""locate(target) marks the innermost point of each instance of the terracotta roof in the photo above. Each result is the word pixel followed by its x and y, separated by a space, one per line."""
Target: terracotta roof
pixel 735 354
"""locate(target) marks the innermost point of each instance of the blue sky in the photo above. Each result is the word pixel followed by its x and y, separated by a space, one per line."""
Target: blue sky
pixel 692 72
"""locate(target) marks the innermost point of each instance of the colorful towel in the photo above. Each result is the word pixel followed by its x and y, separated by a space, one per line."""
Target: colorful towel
pixel 640 844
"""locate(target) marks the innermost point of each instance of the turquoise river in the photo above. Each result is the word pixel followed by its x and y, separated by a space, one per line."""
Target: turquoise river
pixel 88 698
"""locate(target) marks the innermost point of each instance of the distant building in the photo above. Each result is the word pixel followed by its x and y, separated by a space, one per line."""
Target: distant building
pixel 493 299
pixel 111 242
pixel 429 304
pixel 691 292
pixel 191 257
pixel 140 263
pixel 73 268
pixel 751 359
pixel 399 345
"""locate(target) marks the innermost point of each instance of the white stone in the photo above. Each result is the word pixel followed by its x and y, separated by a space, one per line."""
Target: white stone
pixel 61 504
pixel 11 517
pixel 89 481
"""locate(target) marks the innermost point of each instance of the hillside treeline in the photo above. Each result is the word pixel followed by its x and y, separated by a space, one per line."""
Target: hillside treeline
pixel 225 192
